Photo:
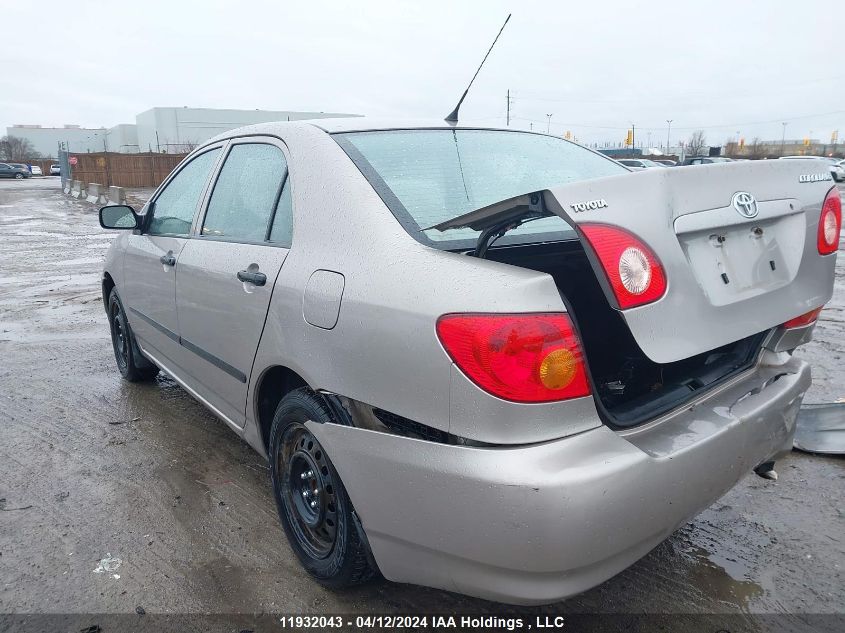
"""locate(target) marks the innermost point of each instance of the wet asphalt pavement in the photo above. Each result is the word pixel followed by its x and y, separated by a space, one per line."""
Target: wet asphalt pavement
pixel 92 467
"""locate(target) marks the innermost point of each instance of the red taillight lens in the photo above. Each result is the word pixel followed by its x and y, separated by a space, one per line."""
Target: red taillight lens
pixel 804 319
pixel 830 222
pixel 633 270
pixel 519 357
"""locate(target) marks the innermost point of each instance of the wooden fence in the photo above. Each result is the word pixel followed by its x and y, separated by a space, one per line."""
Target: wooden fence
pixel 124 170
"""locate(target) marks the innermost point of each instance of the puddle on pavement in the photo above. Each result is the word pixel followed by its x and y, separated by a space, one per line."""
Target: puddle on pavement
pixel 726 579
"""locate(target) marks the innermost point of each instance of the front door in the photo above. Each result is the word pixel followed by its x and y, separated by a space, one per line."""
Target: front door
pixel 226 273
pixel 151 259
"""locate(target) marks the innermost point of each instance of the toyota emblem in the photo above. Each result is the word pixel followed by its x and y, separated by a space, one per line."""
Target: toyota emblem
pixel 745 204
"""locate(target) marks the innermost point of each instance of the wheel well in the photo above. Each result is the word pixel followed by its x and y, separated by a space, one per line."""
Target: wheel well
pixel 108 284
pixel 276 383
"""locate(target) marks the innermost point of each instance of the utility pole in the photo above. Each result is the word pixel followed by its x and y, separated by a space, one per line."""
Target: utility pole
pixel 783 138
pixel 633 139
pixel 668 129
pixel 549 124
pixel 508 97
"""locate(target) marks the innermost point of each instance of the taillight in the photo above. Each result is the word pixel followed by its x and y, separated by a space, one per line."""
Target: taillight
pixel 633 270
pixel 830 222
pixel 804 319
pixel 519 357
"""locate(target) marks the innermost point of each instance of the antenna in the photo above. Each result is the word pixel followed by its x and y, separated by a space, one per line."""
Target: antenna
pixel 453 116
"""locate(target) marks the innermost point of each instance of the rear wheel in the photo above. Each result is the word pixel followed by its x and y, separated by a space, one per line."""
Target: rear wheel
pixel 18 176
pixel 131 364
pixel 315 511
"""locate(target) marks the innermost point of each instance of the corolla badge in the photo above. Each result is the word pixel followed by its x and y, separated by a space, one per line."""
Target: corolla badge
pixel 745 204
pixel 814 177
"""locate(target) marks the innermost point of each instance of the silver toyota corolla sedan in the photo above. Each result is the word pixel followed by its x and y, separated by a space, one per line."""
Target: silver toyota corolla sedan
pixel 484 360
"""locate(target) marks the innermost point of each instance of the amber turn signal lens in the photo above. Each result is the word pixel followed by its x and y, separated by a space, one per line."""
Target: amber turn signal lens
pixel 557 370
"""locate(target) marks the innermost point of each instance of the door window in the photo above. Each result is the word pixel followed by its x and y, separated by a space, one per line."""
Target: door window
pixel 174 207
pixel 245 193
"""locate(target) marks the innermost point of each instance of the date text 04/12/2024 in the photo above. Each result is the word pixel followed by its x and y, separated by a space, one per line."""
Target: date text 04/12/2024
pixel 485 623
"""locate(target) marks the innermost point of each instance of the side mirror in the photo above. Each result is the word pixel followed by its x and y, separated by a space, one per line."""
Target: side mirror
pixel 118 216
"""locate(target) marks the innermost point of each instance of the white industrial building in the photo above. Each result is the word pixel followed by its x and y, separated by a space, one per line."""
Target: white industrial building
pixel 171 130
pixel 46 140
pixel 179 129
pixel 122 138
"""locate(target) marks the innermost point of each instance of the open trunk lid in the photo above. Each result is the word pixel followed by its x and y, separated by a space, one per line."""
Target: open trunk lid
pixel 728 275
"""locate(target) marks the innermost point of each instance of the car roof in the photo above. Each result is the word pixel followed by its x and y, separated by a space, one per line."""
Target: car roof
pixel 357 124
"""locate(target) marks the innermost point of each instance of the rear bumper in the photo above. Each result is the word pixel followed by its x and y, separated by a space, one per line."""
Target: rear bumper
pixel 535 524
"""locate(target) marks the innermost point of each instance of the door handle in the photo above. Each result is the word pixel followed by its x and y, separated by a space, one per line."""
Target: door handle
pixel 168 260
pixel 255 278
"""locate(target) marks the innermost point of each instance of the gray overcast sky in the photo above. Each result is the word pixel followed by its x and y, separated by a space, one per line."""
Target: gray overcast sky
pixel 722 66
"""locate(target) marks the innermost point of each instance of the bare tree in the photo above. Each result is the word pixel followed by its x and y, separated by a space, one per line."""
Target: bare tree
pixel 758 150
pixel 17 149
pixel 696 143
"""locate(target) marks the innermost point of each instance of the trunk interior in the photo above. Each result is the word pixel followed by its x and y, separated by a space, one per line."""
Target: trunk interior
pixel 630 389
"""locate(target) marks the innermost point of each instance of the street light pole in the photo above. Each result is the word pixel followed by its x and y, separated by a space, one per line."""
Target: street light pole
pixel 549 124
pixel 783 138
pixel 668 129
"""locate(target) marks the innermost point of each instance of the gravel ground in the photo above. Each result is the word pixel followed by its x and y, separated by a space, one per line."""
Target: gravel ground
pixel 93 467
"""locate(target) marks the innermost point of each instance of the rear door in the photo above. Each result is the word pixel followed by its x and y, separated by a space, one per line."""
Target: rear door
pixel 226 273
pixel 151 256
pixel 732 269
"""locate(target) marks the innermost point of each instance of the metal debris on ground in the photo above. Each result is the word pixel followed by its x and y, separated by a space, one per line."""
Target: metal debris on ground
pixel 821 429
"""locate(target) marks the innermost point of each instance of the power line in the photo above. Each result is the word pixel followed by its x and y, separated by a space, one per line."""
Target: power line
pixel 779 90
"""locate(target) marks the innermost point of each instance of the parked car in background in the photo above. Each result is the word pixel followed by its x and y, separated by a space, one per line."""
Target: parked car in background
pixel 707 160
pixel 14 170
pixel 666 161
pixel 55 170
pixel 837 170
pixel 35 170
pixel 640 163
pixel 511 383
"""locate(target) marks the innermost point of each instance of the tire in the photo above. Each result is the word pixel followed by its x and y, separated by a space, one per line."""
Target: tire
pixel 322 528
pixel 130 362
pixel 18 176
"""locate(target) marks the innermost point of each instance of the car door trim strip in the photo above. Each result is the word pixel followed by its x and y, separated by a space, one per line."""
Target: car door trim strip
pixel 214 360
pixel 167 332
pixel 234 372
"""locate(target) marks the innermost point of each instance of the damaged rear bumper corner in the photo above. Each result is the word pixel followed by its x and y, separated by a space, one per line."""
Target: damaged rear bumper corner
pixel 534 524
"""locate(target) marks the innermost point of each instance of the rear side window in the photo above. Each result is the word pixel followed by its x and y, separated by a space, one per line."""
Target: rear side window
pixel 429 176
pixel 174 208
pixel 246 192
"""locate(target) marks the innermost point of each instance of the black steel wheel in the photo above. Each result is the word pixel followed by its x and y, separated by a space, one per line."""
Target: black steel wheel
pixel 314 508
pixel 130 362
pixel 309 491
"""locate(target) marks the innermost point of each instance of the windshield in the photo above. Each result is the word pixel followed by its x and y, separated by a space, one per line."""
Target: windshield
pixel 429 176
